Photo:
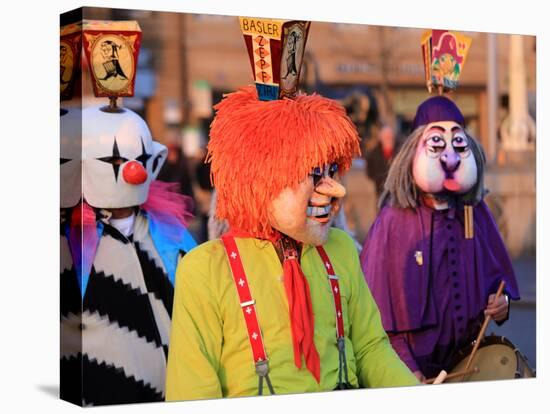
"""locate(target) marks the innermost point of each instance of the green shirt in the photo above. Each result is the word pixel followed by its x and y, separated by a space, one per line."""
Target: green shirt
pixel 210 354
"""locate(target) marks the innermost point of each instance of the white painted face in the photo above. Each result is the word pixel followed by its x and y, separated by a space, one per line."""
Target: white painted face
pixel 305 212
pixel 70 154
pixel 443 160
pixel 119 158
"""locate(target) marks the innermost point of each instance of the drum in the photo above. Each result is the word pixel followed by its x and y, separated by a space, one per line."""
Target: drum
pixel 496 358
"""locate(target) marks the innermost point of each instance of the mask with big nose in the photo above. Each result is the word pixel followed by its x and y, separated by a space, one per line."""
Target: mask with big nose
pixel 306 211
pixel 443 160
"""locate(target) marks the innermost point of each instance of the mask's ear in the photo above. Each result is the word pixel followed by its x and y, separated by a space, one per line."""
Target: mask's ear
pixel 160 152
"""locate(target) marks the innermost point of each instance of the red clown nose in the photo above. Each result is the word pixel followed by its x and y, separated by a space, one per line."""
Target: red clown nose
pixel 134 173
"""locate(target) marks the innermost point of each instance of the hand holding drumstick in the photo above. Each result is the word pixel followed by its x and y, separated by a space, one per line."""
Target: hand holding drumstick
pixel 497 307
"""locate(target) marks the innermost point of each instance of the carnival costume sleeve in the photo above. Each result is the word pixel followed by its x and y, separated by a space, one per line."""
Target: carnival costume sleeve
pixel 196 335
pixel 378 365
pixel 398 283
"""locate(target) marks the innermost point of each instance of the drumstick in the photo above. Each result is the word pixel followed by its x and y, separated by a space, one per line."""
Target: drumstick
pixel 474 370
pixel 441 377
pixel 482 331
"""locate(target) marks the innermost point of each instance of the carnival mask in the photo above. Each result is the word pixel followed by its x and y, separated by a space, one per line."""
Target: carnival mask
pixel 119 158
pixel 70 157
pixel 305 212
pixel 444 162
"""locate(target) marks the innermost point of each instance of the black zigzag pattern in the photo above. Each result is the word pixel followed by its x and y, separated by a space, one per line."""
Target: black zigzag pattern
pixel 70 298
pixel 122 304
pixel 109 230
pixel 104 383
pixel 70 379
pixel 156 280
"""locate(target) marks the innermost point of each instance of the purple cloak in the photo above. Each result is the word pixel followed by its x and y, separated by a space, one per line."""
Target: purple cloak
pixel 430 283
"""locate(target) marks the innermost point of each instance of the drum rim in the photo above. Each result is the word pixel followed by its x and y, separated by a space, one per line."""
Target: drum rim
pixel 485 341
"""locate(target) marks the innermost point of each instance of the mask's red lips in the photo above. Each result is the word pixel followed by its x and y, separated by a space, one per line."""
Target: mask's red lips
pixel 451 184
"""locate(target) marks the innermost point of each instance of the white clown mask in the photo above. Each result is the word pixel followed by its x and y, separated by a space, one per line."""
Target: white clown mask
pixel 70 154
pixel 444 161
pixel 119 158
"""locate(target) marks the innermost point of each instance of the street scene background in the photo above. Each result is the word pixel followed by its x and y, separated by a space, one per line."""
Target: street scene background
pixel 188 61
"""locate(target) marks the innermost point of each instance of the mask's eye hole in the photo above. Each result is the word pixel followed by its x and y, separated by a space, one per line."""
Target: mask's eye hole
pixel 435 143
pixel 113 160
pixel 333 169
pixel 317 175
pixel 460 144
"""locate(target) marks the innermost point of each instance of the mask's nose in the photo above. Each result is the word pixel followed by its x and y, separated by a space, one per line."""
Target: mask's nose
pixel 330 188
pixel 450 161
pixel 134 173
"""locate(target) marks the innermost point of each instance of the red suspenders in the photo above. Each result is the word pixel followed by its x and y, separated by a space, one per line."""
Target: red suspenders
pixel 340 338
pixel 247 303
pixel 251 319
pixel 249 312
pixel 333 280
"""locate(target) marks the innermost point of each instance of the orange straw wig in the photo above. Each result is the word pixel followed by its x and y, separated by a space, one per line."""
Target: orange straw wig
pixel 258 148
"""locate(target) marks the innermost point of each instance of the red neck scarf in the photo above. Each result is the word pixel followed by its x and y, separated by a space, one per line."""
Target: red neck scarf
pixel 299 304
pixel 300 309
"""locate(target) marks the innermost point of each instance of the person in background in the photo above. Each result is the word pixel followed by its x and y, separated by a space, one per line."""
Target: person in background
pixel 175 170
pixel 380 157
pixel 204 193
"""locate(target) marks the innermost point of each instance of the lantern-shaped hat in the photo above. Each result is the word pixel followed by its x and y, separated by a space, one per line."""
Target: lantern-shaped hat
pixel 276 49
pixel 444 54
pixel 69 59
pixel 111 49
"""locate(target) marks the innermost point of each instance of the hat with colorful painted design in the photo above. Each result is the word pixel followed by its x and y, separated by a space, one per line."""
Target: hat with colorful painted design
pixel 70 46
pixel 276 50
pixel 444 53
pixel 111 49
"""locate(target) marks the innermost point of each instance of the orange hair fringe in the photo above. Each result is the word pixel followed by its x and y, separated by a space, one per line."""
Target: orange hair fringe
pixel 258 148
